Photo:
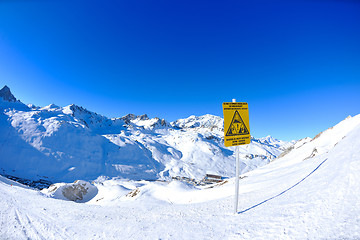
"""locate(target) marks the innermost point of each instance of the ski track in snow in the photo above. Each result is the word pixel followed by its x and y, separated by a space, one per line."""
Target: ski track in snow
pixel 22 220
pixel 256 205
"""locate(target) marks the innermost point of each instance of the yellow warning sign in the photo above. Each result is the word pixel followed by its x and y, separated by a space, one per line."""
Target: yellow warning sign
pixel 236 123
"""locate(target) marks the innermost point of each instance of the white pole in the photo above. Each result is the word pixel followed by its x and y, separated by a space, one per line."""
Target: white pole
pixel 237 180
pixel 237 173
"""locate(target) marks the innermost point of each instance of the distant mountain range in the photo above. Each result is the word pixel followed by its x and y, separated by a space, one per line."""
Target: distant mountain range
pixel 68 143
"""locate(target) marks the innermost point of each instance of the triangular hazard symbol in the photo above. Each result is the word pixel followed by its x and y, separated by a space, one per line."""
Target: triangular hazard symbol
pixel 237 126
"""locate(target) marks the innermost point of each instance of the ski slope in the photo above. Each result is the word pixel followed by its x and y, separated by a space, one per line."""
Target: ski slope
pixel 305 194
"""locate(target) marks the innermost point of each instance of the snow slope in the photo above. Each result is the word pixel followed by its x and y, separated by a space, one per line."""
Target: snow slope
pixel 69 143
pixel 302 195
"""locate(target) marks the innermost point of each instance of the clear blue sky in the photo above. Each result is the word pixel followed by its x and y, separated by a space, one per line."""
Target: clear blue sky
pixel 297 63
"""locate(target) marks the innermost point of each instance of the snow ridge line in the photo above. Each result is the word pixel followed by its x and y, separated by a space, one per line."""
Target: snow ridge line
pixel 278 195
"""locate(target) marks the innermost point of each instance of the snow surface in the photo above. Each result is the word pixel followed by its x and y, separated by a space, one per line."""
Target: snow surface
pixel 304 194
pixel 64 144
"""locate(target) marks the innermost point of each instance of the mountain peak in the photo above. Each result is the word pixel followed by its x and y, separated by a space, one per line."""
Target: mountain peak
pixel 6 94
pixel 129 117
pixel 204 121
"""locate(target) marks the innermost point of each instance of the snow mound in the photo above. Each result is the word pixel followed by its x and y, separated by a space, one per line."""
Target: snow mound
pixel 78 191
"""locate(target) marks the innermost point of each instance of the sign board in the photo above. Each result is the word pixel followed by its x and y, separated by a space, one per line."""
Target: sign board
pixel 236 124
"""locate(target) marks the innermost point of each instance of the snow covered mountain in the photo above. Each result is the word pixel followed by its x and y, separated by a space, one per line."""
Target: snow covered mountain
pixel 310 192
pixel 69 143
pixel 6 94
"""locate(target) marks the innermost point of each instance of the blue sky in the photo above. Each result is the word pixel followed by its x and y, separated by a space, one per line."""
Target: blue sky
pixel 297 63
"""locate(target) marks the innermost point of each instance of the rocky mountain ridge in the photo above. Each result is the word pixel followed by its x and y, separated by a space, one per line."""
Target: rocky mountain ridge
pixel 68 143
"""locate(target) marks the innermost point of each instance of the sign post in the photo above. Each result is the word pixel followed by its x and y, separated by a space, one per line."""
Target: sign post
pixel 236 132
pixel 237 180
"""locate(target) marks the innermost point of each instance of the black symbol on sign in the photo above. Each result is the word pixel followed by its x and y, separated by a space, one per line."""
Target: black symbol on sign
pixel 237 126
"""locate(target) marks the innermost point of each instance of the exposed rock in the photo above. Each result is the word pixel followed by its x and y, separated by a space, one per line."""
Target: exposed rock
pixel 133 193
pixel 79 191
pixel 289 149
pixel 6 94
pixel 313 154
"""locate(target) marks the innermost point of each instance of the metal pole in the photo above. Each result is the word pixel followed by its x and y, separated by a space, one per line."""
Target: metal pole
pixel 237 180
pixel 237 173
